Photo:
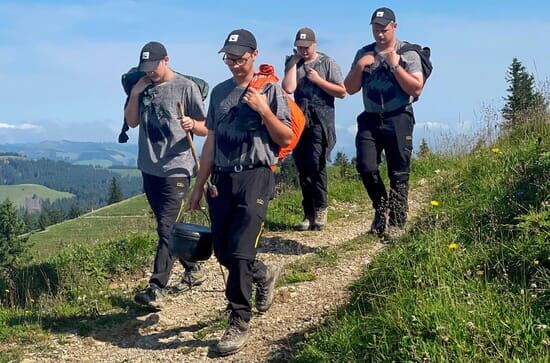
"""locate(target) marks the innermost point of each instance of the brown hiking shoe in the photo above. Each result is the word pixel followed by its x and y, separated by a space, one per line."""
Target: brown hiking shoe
pixel 304 225
pixel 320 220
pixel 191 277
pixel 265 290
pixel 152 296
pixel 235 336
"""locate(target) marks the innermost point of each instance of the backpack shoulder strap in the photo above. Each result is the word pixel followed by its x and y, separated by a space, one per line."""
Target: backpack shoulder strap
pixel 369 47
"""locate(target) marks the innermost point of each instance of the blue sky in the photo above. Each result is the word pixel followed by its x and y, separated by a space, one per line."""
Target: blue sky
pixel 62 60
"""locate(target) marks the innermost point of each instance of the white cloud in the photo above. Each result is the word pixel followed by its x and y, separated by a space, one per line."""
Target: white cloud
pixel 25 126
pixel 432 125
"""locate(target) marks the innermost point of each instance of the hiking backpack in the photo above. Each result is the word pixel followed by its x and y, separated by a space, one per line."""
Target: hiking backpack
pixel 130 78
pixel 423 52
pixel 265 75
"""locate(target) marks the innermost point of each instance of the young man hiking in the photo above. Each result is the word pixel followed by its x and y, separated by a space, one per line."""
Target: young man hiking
pixel 246 127
pixel 390 83
pixel 164 158
pixel 315 79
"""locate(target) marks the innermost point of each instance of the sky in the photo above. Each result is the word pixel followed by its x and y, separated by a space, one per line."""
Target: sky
pixel 61 61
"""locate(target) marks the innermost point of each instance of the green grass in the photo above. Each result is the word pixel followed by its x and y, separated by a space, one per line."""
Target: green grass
pixel 73 291
pixel 17 193
pixel 471 282
pixel 111 222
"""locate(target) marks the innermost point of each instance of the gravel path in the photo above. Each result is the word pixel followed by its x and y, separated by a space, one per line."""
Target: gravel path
pixel 186 329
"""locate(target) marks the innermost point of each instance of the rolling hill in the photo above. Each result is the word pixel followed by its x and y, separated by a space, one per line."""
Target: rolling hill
pixel 84 153
pixel 22 194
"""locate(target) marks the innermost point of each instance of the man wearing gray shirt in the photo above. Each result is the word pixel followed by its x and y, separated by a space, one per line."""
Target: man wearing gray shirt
pixel 315 79
pixel 390 83
pixel 164 158
pixel 246 128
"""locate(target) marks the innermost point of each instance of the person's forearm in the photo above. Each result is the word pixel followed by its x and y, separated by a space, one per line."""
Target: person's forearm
pixel 354 80
pixel 289 81
pixel 333 89
pixel 199 128
pixel 279 132
pixel 206 160
pixel 408 82
pixel 131 112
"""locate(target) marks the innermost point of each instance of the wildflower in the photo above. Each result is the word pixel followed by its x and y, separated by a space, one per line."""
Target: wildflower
pixel 437 171
pixel 495 150
pixel 453 246
pixel 7 291
pixel 434 203
pixel 536 262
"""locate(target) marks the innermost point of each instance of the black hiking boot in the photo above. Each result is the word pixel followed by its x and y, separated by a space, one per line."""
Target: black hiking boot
pixel 265 290
pixel 152 296
pixel 235 336
pixel 378 225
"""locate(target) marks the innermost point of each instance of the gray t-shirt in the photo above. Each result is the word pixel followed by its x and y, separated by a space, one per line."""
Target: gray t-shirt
pixel 381 92
pixel 241 136
pixel 163 147
pixel 327 68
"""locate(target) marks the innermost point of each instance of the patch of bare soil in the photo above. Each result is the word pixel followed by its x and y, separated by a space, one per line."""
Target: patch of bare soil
pixel 188 327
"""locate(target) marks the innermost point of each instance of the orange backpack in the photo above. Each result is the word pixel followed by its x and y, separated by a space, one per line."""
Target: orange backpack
pixel 266 74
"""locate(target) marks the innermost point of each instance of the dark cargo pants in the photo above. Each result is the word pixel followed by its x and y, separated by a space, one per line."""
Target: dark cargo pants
pixel 237 215
pixel 165 196
pixel 310 157
pixel 393 135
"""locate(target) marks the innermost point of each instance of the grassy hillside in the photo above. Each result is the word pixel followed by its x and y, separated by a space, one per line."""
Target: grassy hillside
pixel 18 193
pixel 111 222
pixel 471 282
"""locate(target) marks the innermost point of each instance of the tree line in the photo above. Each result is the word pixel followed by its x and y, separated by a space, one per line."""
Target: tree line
pixel 93 187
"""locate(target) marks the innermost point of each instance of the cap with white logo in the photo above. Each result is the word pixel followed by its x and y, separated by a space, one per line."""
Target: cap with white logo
pixel 304 38
pixel 238 42
pixel 150 56
pixel 382 16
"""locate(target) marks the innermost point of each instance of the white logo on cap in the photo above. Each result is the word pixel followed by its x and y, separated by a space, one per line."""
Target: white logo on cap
pixel 145 55
pixel 303 36
pixel 379 14
pixel 233 38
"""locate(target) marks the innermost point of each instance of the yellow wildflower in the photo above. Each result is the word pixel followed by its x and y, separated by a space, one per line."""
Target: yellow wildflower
pixel 7 291
pixel 495 150
pixel 536 262
pixel 434 203
pixel 453 246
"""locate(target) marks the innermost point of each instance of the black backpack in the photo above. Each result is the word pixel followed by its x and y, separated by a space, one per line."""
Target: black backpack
pixel 130 78
pixel 423 52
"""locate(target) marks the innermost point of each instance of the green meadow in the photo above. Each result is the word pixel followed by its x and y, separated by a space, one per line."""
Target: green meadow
pixel 17 193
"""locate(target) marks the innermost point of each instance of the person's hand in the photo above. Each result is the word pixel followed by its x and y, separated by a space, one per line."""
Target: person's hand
pixel 366 61
pixel 292 60
pixel 256 100
pixel 392 58
pixel 141 85
pixel 195 199
pixel 187 123
pixel 313 76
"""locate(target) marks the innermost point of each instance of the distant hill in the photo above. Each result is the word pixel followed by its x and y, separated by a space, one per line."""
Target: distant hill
pixel 29 196
pixel 84 153
pixel 89 184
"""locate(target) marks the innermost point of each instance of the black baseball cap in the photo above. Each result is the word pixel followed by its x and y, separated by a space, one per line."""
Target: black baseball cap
pixel 382 16
pixel 304 38
pixel 238 42
pixel 150 56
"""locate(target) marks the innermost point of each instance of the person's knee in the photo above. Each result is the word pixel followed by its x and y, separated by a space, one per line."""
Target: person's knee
pixel 399 177
pixel 371 177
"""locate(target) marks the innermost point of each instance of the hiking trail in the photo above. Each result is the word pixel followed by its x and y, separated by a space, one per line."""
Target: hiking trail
pixel 188 327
